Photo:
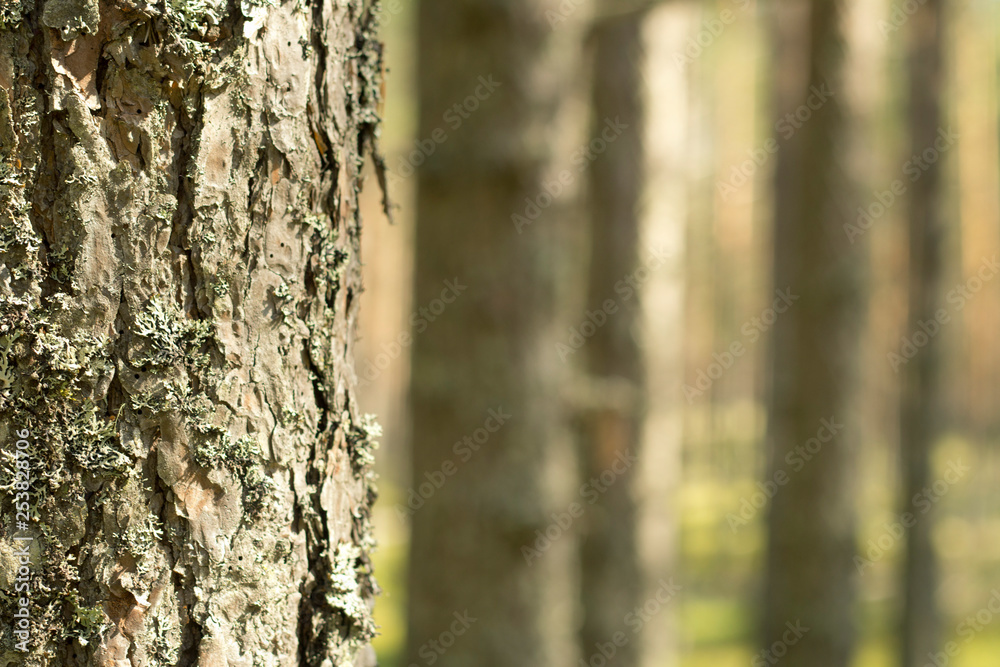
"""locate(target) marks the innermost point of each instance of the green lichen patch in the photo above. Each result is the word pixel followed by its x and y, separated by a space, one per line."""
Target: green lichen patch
pixel 46 385
pixel 19 242
pixel 86 622
pixel 208 434
pixel 171 337
pixel 330 257
pixel 193 15
pixel 52 386
pixel 346 595
pixel 362 442
pixel 141 536
pixel 12 11
pixel 94 442
pixel 242 458
pixel 72 17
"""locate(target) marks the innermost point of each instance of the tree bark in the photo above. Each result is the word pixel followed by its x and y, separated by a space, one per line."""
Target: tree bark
pixel 920 398
pixel 812 519
pixel 497 87
pixel 177 298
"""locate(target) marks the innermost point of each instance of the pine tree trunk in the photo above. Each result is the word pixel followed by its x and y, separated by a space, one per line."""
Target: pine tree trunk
pixel 813 427
pixel 178 290
pixel 920 397
pixel 611 579
pixel 492 578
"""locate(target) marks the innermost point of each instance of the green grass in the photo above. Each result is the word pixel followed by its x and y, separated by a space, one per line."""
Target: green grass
pixel 720 569
pixel 715 633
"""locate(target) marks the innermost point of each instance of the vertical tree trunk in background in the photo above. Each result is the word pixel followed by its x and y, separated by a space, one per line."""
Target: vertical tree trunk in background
pixel 611 581
pixel 920 397
pixel 812 523
pixel 178 290
pixel 665 213
pixel 492 222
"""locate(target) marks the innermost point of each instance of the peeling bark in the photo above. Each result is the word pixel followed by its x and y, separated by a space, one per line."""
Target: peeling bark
pixel 178 291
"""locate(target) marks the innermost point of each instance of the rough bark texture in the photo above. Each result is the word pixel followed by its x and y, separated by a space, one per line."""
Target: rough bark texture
pixel 611 578
pixel 495 345
pixel 177 297
pixel 920 397
pixel 812 520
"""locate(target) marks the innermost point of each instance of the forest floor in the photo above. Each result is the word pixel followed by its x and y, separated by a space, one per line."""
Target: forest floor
pixel 720 569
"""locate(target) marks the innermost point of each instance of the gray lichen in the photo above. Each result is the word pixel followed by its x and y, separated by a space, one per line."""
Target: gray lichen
pixel 72 17
pixel 171 336
pixel 345 595
pixel 12 11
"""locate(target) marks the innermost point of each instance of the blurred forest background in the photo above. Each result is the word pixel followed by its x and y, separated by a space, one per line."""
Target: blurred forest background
pixel 684 338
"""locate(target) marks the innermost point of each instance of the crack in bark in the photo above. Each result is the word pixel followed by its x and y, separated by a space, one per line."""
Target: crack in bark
pixel 192 630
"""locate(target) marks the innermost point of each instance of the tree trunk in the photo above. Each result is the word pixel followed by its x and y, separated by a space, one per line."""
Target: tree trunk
pixel 813 426
pixel 493 459
pixel 177 298
pixel 611 578
pixel 920 397
pixel 664 214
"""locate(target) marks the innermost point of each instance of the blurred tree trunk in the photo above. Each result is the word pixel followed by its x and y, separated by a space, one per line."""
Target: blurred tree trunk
pixel 611 582
pixel 665 211
pixel 494 467
pixel 178 288
pixel 815 348
pixel 921 391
